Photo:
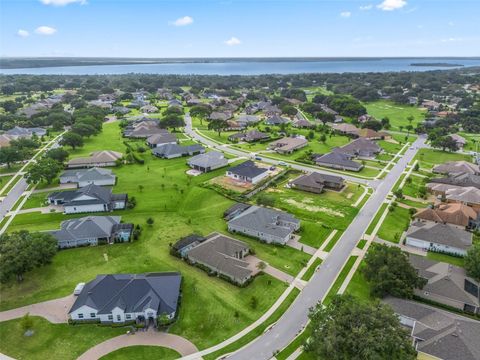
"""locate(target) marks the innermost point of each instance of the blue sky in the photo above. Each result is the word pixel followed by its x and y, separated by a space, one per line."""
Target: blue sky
pixel 243 28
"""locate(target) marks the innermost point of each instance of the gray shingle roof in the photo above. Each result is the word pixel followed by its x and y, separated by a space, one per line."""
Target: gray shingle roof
pixel 247 169
pixel 444 234
pixel 208 160
pixel 360 147
pixel 86 227
pixel 91 174
pixel 100 195
pixel 175 149
pixel 132 293
pixel 457 167
pixel 338 158
pixel 463 180
pixel 317 180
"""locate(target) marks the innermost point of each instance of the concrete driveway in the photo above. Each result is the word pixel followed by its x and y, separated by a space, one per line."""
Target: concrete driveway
pixel 148 338
pixel 54 311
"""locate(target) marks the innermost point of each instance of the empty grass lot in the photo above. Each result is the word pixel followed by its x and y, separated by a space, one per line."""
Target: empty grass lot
pixel 178 206
pixel 394 224
pixel 397 114
pixel 428 158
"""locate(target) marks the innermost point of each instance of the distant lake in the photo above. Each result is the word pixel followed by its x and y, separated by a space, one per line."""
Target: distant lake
pixel 255 67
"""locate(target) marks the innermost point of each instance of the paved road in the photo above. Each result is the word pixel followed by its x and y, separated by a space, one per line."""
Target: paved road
pixel 297 315
pixel 240 153
pixel 12 197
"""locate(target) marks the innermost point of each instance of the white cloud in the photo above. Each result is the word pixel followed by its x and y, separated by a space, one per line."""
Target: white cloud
pixel 451 23
pixel 45 30
pixel 62 2
pixel 23 33
pixel 389 5
pixel 233 41
pixel 345 14
pixel 452 39
pixel 183 21
pixel 366 7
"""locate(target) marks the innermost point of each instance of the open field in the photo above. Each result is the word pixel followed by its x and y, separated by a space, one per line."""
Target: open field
pixel 178 206
pixel 473 141
pixel 397 114
pixel 428 158
pixel 142 352
pixel 52 341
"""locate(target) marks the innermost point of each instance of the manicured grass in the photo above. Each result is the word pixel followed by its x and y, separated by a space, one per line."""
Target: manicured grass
pixel 340 279
pixel 142 352
pixel 36 200
pixel 470 145
pixel 397 114
pixel 428 158
pixel 10 170
pixel 52 341
pixel 179 206
pixel 361 244
pixel 375 220
pixel 358 286
pixel 333 241
pixel 313 233
pixel 5 180
pixel 252 335
pixel 389 146
pixel 294 345
pixel 412 203
pixel 457 261
pixel 394 224
pixel 412 187
pixel 311 270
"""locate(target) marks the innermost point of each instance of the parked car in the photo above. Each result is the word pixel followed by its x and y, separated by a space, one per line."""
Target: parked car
pixel 282 163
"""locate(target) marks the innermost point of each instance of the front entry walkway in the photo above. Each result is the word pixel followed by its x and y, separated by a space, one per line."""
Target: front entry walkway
pixel 147 338
pixel 55 311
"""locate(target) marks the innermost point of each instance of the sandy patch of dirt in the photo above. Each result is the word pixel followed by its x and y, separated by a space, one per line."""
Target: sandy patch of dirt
pixel 304 205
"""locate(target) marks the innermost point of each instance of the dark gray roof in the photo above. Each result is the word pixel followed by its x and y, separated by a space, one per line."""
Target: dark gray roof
pixel 21 132
pixel 234 210
pixel 220 252
pixel 444 234
pixel 175 149
pixel 188 240
pixel 276 120
pixel 161 138
pixel 338 158
pixel 247 169
pixel 440 333
pixel 91 174
pixel 132 293
pixel 209 159
pixel 86 227
pixel 360 147
pixel 463 180
pixel 317 180
pixel 99 195
pixel 264 220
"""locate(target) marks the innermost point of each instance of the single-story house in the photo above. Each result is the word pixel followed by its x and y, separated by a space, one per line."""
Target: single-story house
pixel 175 102
pixel 369 134
pixel 143 128
pixel 103 158
pixel 149 109
pixel 91 198
pixel 462 180
pixel 436 333
pixel 276 120
pixel 233 125
pixel 247 172
pixel 361 147
pixel 346 129
pixel 121 298
pixel 249 136
pixel 316 182
pixel 207 162
pixel 447 284
pixel 303 123
pixel 459 140
pixel 288 145
pixel 182 246
pixel 338 160
pixel 454 214
pixel 222 255
pixel 220 115
pixel 247 119
pixel 457 167
pixel 84 177
pixel 19 132
pixel 92 230
pixel 161 138
pixel 438 237
pixel 464 195
pixel 171 151
pixel 268 225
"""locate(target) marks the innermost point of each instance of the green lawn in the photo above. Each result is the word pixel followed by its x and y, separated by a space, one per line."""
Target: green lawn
pixel 470 145
pixel 36 200
pixel 4 181
pixel 294 345
pixel 142 352
pixel 179 206
pixel 375 220
pixel 359 287
pixel 390 147
pixel 428 158
pixel 311 270
pixel 51 341
pixel 413 186
pixel 457 261
pixel 340 279
pixel 397 114
pixel 394 224
pixel 361 244
pixel 333 241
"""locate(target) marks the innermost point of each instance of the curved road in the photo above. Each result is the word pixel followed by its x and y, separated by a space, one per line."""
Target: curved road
pixel 296 317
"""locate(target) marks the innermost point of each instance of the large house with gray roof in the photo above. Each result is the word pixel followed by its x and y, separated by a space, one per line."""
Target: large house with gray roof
pixel 104 158
pixel 171 151
pixel 160 139
pixel 19 132
pixel 438 237
pixel 447 284
pixel 268 225
pixel 463 180
pixel 316 182
pixel 361 148
pixel 338 160
pixel 220 254
pixel 91 198
pixel 457 167
pixel 247 172
pixel 123 298
pixel 207 162
pixel 438 334
pixel 91 231
pixel 85 177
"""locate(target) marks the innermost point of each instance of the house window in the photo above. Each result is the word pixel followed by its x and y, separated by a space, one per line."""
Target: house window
pixel 129 316
pixel 92 315
pixel 80 316
pixel 110 317
pixel 119 318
